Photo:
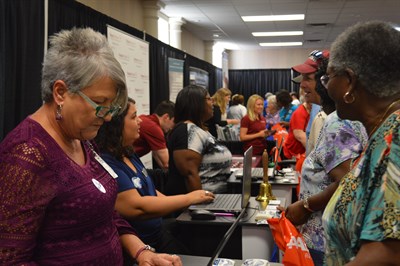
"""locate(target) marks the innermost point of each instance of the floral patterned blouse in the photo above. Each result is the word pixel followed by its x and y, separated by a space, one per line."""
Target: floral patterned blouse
pixel 338 141
pixel 366 205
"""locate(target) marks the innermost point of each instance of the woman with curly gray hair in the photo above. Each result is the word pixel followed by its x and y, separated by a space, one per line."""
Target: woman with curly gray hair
pixel 362 219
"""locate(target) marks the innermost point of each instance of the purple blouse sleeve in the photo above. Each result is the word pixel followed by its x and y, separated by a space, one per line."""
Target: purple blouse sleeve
pixel 25 191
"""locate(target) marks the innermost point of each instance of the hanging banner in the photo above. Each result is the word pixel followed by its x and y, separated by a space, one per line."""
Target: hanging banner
pixel 225 73
pixel 133 55
pixel 175 69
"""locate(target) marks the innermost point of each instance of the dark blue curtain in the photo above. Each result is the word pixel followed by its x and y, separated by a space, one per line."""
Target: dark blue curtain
pixel 260 81
pixel 21 54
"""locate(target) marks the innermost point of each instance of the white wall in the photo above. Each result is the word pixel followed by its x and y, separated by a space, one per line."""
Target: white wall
pixel 267 58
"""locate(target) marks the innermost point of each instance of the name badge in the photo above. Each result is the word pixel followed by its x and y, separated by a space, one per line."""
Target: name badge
pixel 105 166
pixel 144 172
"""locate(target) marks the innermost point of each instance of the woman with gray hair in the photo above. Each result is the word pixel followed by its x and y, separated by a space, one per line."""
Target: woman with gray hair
pixel 362 219
pixel 57 195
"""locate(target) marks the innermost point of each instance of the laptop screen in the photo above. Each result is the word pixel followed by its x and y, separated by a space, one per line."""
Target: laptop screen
pixel 246 180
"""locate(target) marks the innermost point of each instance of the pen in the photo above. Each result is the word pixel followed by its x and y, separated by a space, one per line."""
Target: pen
pixel 226 214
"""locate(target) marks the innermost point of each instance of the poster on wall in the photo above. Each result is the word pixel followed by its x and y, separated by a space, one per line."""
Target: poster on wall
pixel 133 55
pixel 198 77
pixel 175 69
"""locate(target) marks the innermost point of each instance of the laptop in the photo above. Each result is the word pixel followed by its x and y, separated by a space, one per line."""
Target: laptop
pixel 232 202
pixel 257 173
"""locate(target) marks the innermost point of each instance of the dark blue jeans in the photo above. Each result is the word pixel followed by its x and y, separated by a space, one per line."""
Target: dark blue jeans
pixel 317 257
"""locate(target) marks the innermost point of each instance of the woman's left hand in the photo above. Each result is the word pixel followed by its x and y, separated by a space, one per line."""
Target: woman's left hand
pixel 296 213
pixel 159 259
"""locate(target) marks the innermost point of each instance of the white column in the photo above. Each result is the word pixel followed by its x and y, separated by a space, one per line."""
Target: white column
pixel 175 32
pixel 151 9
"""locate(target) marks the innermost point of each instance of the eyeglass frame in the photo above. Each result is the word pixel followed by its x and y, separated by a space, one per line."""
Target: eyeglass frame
pixel 325 79
pixel 113 110
pixel 209 98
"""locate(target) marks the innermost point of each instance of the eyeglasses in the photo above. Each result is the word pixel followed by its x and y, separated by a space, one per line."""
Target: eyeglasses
pixel 325 79
pixel 101 111
pixel 209 98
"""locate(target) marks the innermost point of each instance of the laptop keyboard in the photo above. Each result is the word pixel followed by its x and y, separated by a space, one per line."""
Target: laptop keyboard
pixel 226 201
pixel 222 202
pixel 256 173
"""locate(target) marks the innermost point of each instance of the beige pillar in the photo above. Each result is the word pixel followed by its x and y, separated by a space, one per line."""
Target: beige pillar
pixel 175 32
pixel 208 51
pixel 150 14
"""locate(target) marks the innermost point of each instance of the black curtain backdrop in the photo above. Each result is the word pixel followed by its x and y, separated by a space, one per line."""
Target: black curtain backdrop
pixel 22 49
pixel 260 81
pixel 21 53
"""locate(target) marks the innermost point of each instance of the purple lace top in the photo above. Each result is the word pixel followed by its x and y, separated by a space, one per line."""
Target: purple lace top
pixel 53 211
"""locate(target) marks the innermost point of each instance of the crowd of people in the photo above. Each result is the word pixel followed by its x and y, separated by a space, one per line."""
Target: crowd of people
pixel 73 189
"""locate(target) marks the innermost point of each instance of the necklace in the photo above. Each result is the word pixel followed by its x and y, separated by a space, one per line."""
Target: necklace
pixel 383 117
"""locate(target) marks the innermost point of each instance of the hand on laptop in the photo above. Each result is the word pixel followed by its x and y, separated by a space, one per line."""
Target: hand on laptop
pixel 201 196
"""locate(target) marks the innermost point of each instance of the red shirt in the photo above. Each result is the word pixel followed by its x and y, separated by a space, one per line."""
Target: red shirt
pixel 299 120
pixel 152 137
pixel 259 144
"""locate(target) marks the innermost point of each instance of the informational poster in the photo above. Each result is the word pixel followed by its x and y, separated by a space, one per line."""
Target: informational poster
pixel 175 68
pixel 133 55
pixel 198 77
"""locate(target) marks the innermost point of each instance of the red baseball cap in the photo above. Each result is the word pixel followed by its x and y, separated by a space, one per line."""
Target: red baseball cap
pixel 311 64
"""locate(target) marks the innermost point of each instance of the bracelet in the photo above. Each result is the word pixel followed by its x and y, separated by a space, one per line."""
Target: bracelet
pixel 145 247
pixel 306 205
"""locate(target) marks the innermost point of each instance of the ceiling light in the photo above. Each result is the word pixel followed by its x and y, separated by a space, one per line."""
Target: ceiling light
pixel 281 43
pixel 277 33
pixel 397 28
pixel 215 35
pixel 273 18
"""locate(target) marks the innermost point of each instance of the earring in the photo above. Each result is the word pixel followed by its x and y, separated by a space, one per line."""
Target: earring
pixel 346 100
pixel 58 113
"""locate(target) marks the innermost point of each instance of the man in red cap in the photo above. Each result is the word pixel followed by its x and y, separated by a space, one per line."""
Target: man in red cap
pixel 308 84
pixel 295 145
pixel 307 71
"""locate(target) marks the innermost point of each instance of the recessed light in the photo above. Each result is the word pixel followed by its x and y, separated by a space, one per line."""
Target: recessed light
pixel 277 33
pixel 281 43
pixel 273 18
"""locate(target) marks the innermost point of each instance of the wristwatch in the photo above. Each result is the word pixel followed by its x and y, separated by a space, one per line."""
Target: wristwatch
pixel 306 206
pixel 145 247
